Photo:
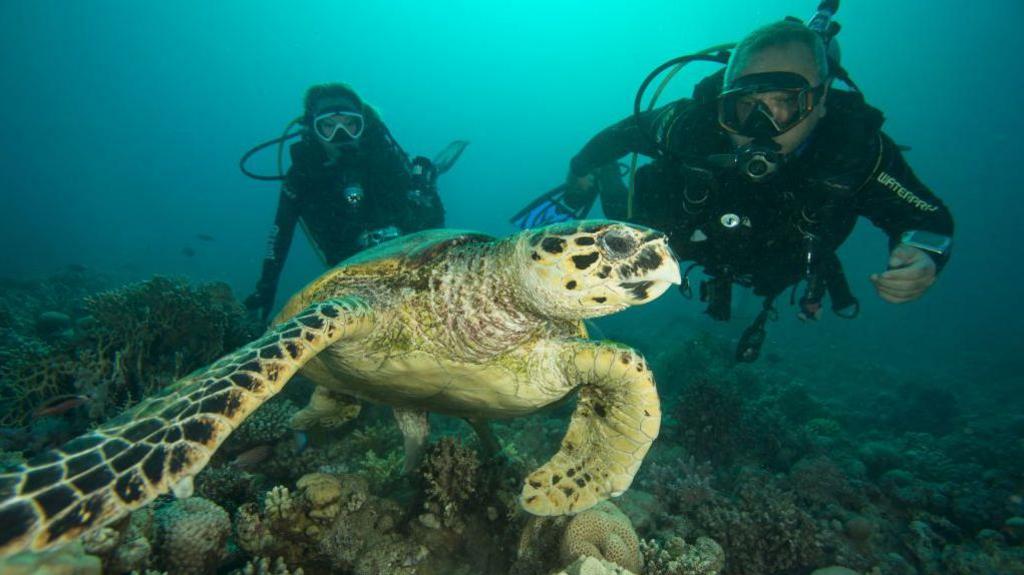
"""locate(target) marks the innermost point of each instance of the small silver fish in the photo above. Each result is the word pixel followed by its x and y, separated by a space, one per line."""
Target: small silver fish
pixel 60 405
pixel 250 458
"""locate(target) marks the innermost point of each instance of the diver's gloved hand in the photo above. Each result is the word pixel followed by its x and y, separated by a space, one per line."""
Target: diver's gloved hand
pixel 579 190
pixel 261 302
pixel 911 272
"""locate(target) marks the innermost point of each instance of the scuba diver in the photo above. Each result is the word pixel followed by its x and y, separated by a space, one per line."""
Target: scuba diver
pixel 761 176
pixel 350 185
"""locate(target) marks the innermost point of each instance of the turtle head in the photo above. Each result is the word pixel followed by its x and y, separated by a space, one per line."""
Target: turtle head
pixel 577 270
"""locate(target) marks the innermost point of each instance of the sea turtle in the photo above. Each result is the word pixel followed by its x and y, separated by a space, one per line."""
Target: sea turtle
pixel 444 321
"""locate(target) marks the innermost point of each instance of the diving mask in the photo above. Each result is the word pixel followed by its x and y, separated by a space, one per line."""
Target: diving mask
pixel 337 126
pixel 768 104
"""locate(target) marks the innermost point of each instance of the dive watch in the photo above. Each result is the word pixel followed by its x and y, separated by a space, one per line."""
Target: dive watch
pixel 927 241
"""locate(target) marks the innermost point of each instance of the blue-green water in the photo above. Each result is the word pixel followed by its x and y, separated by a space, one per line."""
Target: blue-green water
pixel 123 123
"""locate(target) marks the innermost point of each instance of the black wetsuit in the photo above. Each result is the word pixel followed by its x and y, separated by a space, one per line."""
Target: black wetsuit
pixel 761 234
pixel 338 220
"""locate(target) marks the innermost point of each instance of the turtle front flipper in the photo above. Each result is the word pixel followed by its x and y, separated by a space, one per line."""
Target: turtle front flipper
pixel 161 443
pixel 617 417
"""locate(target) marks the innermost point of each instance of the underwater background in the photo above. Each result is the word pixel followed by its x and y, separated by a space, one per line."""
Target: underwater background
pixel 123 123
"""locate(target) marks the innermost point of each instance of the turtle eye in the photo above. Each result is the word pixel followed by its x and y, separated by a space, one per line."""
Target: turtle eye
pixel 618 244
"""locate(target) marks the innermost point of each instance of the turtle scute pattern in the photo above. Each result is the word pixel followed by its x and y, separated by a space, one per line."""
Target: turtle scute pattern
pixel 164 441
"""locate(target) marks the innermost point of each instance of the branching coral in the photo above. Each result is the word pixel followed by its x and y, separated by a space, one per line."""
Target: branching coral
pixel 382 472
pixel 450 472
pixel 29 375
pixel 159 330
pixel 137 339
pixel 762 529
pixel 676 557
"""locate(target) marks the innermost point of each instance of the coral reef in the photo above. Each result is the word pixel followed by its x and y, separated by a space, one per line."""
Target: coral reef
pixel 191 535
pixel 264 566
pixel 593 566
pixel 677 557
pixel 154 332
pixel 332 522
pixel 761 528
pixel 126 548
pixel 227 485
pixel 770 468
pixel 268 425
pixel 602 532
pixel 187 536
pixel 127 343
pixel 450 473
pixel 709 417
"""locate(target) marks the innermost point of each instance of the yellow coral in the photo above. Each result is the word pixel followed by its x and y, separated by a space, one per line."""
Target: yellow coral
pixel 323 492
pixel 279 505
pixel 603 532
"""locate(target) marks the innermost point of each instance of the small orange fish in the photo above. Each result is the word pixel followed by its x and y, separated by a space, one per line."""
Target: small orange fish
pixel 250 458
pixel 60 405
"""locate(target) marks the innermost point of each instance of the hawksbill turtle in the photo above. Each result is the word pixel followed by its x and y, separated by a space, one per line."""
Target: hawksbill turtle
pixel 444 321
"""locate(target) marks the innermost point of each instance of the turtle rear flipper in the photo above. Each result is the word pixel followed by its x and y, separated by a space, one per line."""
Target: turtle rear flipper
pixel 161 443
pixel 617 417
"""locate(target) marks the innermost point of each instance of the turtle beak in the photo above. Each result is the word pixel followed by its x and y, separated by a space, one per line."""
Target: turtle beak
pixel 668 273
pixel 659 269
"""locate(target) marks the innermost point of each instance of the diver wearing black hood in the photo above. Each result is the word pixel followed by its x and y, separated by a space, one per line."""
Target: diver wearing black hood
pixel 350 185
pixel 756 183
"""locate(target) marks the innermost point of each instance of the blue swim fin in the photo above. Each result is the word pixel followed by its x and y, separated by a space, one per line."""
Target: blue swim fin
pixel 551 208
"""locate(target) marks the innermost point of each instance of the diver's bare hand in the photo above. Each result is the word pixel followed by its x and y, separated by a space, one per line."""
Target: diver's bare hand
pixel 911 272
